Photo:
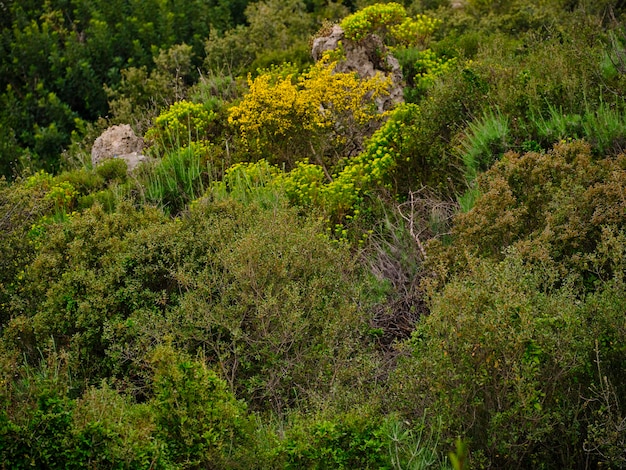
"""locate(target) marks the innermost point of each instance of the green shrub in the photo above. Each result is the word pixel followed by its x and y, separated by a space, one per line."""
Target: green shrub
pixel 22 205
pixel 550 205
pixel 427 155
pixel 420 69
pixel 43 424
pixel 346 441
pixel 196 415
pixel 84 180
pixel 276 305
pixel 70 294
pixel 516 316
pixel 113 169
pixel 505 359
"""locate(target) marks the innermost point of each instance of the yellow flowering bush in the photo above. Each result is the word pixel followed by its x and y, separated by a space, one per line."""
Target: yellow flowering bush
pixel 372 168
pixel 284 116
pixel 305 184
pixel 182 123
pixel 414 31
pixel 376 18
pixel 430 66
pixel 391 22
pixel 308 185
pixel 39 181
pixel 63 196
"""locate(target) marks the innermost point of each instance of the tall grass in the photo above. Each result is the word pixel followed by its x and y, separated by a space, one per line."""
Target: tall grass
pixel 604 127
pixel 413 448
pixel 251 183
pixel 486 140
pixel 181 176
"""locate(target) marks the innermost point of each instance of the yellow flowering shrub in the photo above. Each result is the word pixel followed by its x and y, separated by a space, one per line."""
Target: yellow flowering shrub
pixel 304 185
pixel 414 31
pixel 182 123
pixel 391 22
pixel 63 196
pixel 373 19
pixel 430 66
pixel 39 181
pixel 308 185
pixel 287 117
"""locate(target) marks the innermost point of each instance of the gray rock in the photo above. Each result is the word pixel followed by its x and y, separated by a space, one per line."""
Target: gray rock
pixel 327 43
pixel 366 58
pixel 118 142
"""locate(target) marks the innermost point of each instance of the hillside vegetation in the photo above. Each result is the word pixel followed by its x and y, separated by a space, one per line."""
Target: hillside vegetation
pixel 301 277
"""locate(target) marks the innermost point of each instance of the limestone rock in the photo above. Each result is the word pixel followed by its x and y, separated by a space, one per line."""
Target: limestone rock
pixel 366 58
pixel 327 43
pixel 118 142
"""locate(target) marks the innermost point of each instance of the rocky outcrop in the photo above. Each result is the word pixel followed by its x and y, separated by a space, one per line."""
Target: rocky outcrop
pixel 118 142
pixel 366 58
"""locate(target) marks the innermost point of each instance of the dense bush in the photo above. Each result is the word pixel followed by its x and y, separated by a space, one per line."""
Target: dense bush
pixel 550 206
pixel 506 358
pixel 517 322
pixel 271 301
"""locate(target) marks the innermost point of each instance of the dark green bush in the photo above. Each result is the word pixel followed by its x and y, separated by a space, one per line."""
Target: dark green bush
pixel 506 359
pixel 113 169
pixel 196 415
pixel 550 206
pixel 427 156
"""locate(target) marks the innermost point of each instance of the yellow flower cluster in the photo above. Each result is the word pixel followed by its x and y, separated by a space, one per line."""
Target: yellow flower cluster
pixel 40 180
pixel 182 123
pixel 304 184
pixel 391 22
pixel 63 195
pixel 307 185
pixel 313 102
pixel 373 19
pixel 431 66
pixel 414 31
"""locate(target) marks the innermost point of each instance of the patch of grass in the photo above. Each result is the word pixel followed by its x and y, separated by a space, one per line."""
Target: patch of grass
pixel 487 139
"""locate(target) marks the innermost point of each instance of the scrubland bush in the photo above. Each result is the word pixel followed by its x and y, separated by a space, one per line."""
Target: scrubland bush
pixel 319 114
pixel 552 205
pixel 191 419
pixel 505 358
pixel 196 416
pixel 276 32
pixel 272 301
